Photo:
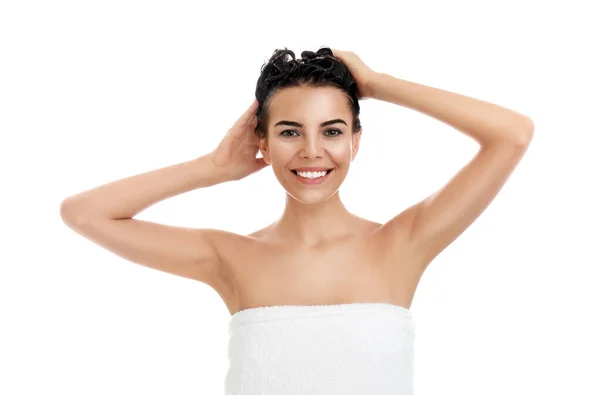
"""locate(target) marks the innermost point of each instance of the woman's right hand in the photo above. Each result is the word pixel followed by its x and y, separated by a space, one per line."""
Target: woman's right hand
pixel 235 156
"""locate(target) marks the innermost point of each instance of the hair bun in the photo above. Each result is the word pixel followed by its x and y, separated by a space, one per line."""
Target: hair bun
pixel 308 55
pixel 321 53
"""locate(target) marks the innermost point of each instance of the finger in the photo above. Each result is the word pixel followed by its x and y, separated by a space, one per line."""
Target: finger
pixel 251 118
pixel 338 52
pixel 253 124
pixel 245 120
pixel 244 124
pixel 248 128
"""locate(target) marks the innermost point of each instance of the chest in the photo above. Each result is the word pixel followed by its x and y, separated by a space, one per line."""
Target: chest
pixel 360 269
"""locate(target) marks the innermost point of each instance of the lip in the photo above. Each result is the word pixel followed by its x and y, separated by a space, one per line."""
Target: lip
pixel 313 168
pixel 315 181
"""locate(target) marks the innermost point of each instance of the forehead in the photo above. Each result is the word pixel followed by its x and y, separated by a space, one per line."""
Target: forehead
pixel 308 104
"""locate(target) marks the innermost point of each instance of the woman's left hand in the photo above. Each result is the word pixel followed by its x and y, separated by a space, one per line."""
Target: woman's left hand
pixel 362 74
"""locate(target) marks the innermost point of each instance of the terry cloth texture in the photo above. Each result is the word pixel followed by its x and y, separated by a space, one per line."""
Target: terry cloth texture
pixel 353 348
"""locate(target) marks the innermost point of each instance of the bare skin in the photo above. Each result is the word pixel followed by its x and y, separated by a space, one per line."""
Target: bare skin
pixel 366 264
pixel 317 252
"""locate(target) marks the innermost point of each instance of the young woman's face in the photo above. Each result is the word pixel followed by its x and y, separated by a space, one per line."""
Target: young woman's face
pixel 308 143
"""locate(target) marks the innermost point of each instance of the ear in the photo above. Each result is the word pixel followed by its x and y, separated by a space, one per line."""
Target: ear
pixel 263 146
pixel 356 142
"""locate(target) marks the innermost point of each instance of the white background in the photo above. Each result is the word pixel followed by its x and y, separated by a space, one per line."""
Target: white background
pixel 91 92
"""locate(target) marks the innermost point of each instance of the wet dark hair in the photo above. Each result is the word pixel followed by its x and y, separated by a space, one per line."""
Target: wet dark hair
pixel 312 70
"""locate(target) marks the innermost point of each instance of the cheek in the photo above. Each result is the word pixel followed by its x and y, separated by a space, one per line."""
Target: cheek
pixel 340 153
pixel 281 154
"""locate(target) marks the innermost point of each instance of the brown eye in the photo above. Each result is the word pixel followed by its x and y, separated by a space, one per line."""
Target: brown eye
pixel 288 130
pixel 339 132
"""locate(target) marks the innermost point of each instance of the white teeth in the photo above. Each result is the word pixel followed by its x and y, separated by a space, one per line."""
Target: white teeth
pixel 311 174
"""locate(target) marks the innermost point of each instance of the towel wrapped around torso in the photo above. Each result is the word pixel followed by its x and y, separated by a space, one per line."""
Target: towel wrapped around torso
pixel 353 348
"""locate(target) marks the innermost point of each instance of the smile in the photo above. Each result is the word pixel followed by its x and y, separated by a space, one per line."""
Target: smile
pixel 312 181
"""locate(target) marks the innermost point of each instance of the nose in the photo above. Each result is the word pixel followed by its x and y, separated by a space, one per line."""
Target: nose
pixel 312 147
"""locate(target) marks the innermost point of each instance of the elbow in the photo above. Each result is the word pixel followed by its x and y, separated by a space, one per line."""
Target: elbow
pixel 69 213
pixel 527 133
pixel 523 133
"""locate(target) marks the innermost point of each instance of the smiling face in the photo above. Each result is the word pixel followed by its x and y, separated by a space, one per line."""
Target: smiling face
pixel 310 127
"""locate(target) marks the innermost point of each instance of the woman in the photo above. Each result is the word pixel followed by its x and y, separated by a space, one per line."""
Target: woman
pixel 320 299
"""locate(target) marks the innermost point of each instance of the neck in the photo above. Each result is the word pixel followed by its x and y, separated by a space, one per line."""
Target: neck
pixel 314 224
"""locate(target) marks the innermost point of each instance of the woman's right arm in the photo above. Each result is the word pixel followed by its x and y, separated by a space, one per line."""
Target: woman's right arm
pixel 105 214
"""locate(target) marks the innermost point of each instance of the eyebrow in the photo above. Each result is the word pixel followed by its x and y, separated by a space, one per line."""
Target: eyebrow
pixel 299 125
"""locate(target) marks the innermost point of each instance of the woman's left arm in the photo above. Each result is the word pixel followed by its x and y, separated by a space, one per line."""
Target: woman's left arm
pixel 504 135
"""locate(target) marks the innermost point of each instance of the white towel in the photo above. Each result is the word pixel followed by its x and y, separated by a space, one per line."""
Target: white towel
pixel 354 348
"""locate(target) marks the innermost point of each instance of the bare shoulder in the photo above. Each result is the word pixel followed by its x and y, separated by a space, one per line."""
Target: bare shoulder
pixel 232 246
pixel 260 233
pixel 371 225
pixel 226 241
